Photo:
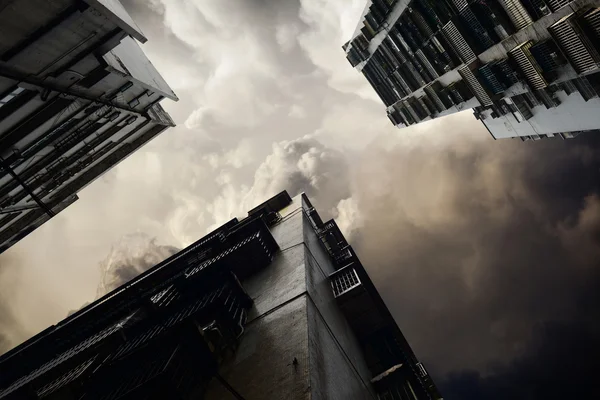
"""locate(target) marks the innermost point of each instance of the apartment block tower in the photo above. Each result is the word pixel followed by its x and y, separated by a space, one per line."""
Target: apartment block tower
pixel 527 68
pixel 274 306
pixel 77 95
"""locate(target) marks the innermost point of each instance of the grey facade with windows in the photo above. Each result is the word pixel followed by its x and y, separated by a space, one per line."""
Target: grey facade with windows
pixel 77 96
pixel 527 68
pixel 274 306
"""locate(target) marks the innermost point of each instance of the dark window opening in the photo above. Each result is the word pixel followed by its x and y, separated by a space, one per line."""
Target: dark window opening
pixel 7 97
pixel 93 77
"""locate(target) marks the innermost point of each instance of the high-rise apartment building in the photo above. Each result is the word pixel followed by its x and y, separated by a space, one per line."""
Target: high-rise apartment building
pixel 77 95
pixel 275 306
pixel 527 68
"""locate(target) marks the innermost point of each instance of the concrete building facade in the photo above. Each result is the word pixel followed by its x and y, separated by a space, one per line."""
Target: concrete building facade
pixel 527 68
pixel 77 95
pixel 275 306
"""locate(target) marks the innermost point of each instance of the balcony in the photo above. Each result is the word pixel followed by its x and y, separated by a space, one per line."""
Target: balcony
pixel 355 301
pixel 188 310
pixel 344 281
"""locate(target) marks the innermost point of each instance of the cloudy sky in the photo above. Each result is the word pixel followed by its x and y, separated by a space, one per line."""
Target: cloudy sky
pixel 485 251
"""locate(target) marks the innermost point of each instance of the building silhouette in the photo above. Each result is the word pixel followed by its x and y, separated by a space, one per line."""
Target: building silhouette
pixel 77 95
pixel 274 306
pixel 527 68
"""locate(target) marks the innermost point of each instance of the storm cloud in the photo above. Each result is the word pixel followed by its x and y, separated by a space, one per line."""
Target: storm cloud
pixel 11 331
pixel 488 254
pixel 131 256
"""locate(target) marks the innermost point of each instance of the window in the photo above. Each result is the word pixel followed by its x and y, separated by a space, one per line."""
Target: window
pixel 8 97
pixel 134 103
pixel 93 77
pixel 344 280
pixel 114 116
pixel 125 86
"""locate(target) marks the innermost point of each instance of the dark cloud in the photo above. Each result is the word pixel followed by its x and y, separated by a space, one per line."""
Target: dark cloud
pixel 4 344
pixel 74 311
pixel 6 323
pixel 488 254
pixel 131 256
pixel 11 332
pixel 560 364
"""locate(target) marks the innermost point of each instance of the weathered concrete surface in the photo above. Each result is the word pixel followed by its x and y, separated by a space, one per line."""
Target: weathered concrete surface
pixel 331 375
pixel 288 232
pixel 128 58
pixel 285 277
pixel 281 281
pixel 263 365
pixel 295 316
pixel 349 362
pixel 114 10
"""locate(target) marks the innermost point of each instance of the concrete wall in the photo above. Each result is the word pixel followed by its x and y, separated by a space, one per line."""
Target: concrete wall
pixel 332 377
pixel 129 58
pixel 285 278
pixel 115 11
pixel 277 284
pixel 263 366
pixel 335 353
pixel 295 316
pixel 277 330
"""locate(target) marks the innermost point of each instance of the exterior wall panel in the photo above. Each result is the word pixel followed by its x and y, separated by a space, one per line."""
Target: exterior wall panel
pixel 263 365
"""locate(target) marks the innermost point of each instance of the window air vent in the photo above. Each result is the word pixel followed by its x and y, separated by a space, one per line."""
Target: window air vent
pixel 432 94
pixel 478 33
pixel 517 13
pixel 425 62
pixel 575 44
pixel 458 42
pixel 473 84
pixel 460 4
pixel 528 66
